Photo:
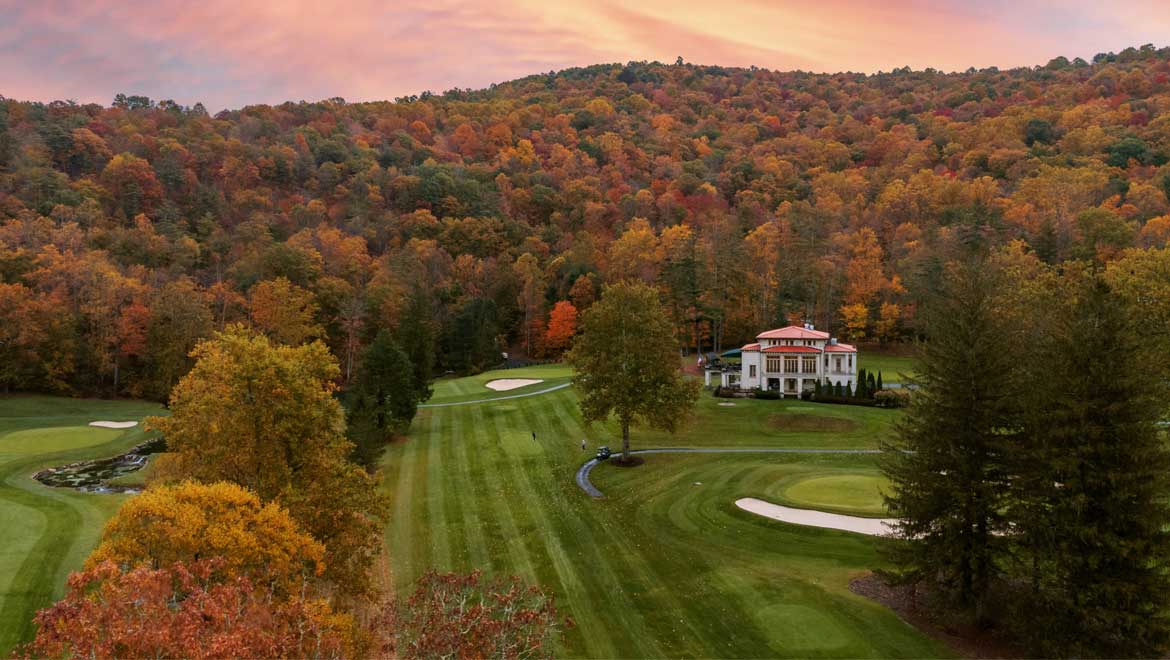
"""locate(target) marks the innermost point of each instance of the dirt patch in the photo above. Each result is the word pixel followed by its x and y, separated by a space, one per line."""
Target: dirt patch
pixel 911 607
pixel 804 423
pixel 633 461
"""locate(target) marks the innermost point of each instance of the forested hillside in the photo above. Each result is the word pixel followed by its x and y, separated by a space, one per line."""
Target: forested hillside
pixel 459 221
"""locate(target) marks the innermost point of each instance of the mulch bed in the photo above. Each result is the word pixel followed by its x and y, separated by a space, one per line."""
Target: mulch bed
pixel 634 461
pixel 966 641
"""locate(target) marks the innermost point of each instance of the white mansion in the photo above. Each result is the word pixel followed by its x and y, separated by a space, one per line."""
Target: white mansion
pixel 790 360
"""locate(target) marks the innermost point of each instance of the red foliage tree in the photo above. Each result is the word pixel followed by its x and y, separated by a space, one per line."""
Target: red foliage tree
pixel 183 610
pixel 452 615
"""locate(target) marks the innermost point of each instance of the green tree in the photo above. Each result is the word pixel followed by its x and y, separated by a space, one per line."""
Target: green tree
pixel 626 363
pixel 472 343
pixel 263 416
pixel 947 466
pixel 1091 510
pixel 385 400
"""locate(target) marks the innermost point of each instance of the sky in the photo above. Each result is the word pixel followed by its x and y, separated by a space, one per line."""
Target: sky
pixel 231 53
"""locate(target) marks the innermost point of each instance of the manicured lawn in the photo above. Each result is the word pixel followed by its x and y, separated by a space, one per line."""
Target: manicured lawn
pixel 473 388
pixel 666 565
pixel 892 367
pixel 857 494
pixel 47 532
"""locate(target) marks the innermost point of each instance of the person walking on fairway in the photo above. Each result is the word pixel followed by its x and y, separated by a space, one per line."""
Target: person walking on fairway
pixel 582 444
pixel 534 436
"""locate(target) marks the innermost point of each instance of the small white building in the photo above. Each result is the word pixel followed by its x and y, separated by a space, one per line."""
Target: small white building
pixel 791 360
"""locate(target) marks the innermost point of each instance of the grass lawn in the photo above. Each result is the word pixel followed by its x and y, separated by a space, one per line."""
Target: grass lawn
pixel 666 565
pixel 892 367
pixel 851 493
pixel 47 532
pixel 474 388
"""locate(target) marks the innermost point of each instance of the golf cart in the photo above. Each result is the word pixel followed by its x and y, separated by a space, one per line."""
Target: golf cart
pixel 603 453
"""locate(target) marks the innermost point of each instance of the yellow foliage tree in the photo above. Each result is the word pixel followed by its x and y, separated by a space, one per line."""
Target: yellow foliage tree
pixel 264 416
pixel 190 521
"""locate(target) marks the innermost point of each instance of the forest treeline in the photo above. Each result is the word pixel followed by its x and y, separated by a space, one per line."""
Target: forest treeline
pixel 459 222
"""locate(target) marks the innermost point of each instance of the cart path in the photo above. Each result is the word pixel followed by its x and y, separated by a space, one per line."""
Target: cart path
pixel 812 518
pixel 591 490
pixel 546 390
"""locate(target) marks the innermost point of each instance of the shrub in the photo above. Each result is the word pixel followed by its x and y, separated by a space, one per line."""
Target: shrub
pixel 892 398
pixel 769 395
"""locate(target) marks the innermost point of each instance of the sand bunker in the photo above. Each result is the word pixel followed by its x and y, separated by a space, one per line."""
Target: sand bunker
pixel 505 384
pixel 114 425
pixel 870 526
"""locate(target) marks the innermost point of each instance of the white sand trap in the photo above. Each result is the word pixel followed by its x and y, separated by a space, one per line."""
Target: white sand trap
pixel 114 425
pixel 726 404
pixel 870 526
pixel 505 384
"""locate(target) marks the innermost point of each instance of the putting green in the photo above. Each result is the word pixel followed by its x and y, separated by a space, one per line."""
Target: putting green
pixel 858 494
pixel 52 439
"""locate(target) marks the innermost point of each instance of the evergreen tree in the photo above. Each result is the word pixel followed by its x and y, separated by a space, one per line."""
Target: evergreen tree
pixel 947 467
pixel 817 390
pixel 837 389
pixel 415 334
pixel 848 389
pixel 860 392
pixel 880 387
pixel 870 386
pixel 385 400
pixel 1092 513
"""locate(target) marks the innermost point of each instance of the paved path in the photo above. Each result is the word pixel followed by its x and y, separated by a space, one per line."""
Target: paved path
pixel 810 518
pixel 591 490
pixel 546 390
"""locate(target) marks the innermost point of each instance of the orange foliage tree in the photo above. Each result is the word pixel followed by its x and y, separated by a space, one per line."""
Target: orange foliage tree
pixel 562 325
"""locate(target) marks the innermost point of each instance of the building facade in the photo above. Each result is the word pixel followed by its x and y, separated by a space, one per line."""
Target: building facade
pixel 790 361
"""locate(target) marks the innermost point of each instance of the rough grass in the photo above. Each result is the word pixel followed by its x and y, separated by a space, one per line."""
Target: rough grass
pixel 47 532
pixel 664 566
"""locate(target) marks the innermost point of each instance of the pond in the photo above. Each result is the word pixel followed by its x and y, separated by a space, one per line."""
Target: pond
pixel 94 476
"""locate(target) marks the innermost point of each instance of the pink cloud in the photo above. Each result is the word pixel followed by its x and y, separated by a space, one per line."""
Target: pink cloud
pixel 227 53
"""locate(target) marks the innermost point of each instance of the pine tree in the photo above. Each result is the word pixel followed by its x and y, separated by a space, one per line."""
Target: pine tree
pixel 860 393
pixel 870 385
pixel 848 389
pixel 1092 510
pixel 880 387
pixel 947 467
pixel 837 389
pixel 817 390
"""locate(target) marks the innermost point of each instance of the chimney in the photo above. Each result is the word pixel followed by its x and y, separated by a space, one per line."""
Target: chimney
pixel 833 341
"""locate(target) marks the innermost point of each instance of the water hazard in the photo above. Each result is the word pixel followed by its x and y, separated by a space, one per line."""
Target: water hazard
pixel 94 476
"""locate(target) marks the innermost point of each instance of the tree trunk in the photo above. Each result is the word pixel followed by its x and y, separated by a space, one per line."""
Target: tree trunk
pixel 625 441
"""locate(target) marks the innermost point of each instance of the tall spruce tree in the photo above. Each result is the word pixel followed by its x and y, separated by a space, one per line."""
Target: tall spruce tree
pixel 1091 490
pixel 947 466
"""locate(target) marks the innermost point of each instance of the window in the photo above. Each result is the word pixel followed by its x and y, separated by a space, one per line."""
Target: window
pixel 752 371
pixel 826 362
pixel 809 364
pixel 837 364
pixel 851 363
pixel 774 363
pixel 789 364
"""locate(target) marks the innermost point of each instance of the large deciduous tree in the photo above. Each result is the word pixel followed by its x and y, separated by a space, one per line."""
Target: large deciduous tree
pixel 264 416
pixel 627 364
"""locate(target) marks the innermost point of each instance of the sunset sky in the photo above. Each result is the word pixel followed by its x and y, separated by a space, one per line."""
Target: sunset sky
pixel 229 53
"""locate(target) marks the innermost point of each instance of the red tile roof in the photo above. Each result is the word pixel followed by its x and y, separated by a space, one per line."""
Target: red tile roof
pixel 751 347
pixel 793 332
pixel 791 349
pixel 840 348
